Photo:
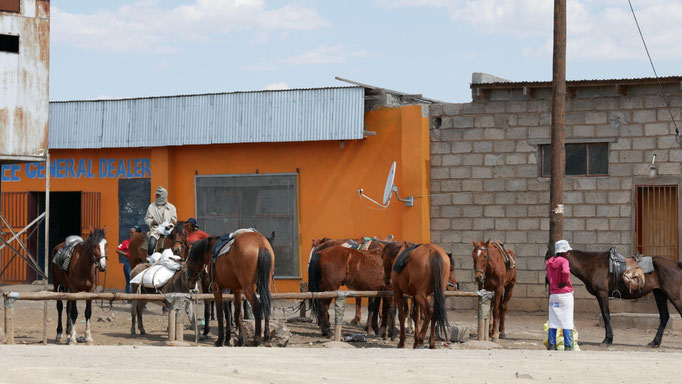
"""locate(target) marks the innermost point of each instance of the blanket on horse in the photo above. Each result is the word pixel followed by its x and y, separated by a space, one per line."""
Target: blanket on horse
pixel 401 260
pixel 629 271
pixel 224 242
pixel 63 257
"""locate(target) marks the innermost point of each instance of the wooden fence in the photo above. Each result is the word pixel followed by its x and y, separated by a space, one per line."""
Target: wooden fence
pixel 179 300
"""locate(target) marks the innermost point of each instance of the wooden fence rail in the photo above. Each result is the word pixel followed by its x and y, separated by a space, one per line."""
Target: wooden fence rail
pixel 178 300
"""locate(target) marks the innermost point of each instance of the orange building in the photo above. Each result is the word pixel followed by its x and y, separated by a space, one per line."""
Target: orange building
pixel 285 161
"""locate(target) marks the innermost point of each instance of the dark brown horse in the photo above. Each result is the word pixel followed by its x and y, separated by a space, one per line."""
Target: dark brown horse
pixel 250 262
pixel 494 274
pixel 592 268
pixel 177 241
pixel 324 243
pixel 88 257
pixel 425 272
pixel 335 266
pixel 177 283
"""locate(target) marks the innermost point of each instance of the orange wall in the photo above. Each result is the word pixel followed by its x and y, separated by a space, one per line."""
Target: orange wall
pixel 329 178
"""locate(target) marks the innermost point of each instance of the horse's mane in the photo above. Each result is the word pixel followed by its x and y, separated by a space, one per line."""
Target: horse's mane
pixel 199 249
pixel 94 238
pixel 392 249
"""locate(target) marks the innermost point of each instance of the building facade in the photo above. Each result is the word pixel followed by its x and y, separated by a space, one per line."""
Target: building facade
pixel 490 174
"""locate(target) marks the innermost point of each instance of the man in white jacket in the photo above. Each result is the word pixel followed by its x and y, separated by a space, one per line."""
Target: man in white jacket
pixel 158 212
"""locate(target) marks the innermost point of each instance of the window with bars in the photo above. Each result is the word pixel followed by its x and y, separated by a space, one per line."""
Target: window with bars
pixel 582 159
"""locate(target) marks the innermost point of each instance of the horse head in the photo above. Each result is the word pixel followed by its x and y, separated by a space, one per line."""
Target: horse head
pixel 481 258
pixel 96 244
pixel 180 246
pixel 199 253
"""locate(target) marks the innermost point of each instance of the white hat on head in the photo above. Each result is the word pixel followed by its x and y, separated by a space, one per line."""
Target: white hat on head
pixel 562 246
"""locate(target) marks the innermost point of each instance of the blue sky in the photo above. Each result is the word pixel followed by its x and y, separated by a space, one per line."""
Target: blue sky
pixel 133 48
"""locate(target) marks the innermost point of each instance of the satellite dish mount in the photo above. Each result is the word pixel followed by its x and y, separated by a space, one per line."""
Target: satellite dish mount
pixel 388 189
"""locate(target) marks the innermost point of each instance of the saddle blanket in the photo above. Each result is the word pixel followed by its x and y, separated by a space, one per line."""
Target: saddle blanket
pixel 401 260
pixel 224 243
pixel 63 257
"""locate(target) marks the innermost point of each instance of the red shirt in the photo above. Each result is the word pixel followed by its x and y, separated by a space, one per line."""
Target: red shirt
pixel 196 236
pixel 558 271
pixel 123 247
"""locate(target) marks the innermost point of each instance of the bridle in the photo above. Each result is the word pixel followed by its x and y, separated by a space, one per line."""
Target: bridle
pixel 96 260
pixel 487 261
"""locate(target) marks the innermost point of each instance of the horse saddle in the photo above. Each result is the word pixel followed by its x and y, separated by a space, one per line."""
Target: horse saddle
pixel 224 242
pixel 630 271
pixel 404 256
pixel 352 244
pixel 509 261
pixel 63 257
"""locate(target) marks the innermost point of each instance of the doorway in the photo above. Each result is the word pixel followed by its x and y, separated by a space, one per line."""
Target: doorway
pixel 656 221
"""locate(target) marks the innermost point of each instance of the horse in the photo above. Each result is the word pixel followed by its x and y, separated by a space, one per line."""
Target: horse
pixel 250 261
pixel 176 240
pixel 358 270
pixel 426 271
pixel 592 268
pixel 374 244
pixel 493 274
pixel 177 283
pixel 88 257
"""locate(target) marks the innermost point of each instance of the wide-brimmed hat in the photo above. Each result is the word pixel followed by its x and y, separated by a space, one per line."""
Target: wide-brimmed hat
pixel 193 221
pixel 562 246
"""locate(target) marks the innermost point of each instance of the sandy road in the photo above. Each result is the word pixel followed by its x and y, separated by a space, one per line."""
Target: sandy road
pixel 128 364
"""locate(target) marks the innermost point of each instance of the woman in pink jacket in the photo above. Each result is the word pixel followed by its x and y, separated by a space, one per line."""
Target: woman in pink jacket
pixel 560 296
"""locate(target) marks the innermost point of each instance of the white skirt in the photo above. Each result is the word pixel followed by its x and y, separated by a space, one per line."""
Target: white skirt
pixel 561 310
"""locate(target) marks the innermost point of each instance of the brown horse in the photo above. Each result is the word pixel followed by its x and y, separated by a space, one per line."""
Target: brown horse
pixel 493 274
pixel 250 262
pixel 177 283
pixel 177 241
pixel 338 265
pixel 88 257
pixel 324 243
pixel 424 272
pixel 592 268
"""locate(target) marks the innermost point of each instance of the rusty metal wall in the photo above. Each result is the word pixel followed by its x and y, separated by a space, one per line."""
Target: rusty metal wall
pixel 239 117
pixel 16 211
pixel 24 82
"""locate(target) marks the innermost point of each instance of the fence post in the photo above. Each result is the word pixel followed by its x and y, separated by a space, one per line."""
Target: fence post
pixel 484 298
pixel 304 288
pixel 178 302
pixel 10 299
pixel 339 306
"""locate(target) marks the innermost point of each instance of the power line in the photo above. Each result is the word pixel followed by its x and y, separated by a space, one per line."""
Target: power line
pixel 665 98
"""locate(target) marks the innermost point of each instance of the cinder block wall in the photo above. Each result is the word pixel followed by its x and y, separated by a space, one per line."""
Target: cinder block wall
pixel 486 184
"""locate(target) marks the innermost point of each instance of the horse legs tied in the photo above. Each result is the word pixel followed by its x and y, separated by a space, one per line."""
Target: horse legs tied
pixel 495 323
pixel 503 308
pixel 218 296
pixel 71 325
pixel 88 312
pixel 60 306
pixel 662 304
pixel 604 307
pixel 401 318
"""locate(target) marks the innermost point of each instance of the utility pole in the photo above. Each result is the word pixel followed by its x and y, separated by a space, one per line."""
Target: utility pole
pixel 556 193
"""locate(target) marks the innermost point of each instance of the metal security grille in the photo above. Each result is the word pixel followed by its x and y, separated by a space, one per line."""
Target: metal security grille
pixel 656 217
pixel 90 217
pixel 265 202
pixel 16 211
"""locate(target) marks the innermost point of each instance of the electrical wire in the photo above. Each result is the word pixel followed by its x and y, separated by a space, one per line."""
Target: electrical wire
pixel 665 98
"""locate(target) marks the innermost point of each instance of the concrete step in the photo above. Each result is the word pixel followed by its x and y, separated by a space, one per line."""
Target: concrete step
pixel 642 321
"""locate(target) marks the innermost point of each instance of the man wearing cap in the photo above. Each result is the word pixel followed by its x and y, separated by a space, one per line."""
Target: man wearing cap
pixel 122 251
pixel 158 212
pixel 560 296
pixel 194 234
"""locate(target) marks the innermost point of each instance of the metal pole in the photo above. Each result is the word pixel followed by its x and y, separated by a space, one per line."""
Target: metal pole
pixel 47 241
pixel 556 194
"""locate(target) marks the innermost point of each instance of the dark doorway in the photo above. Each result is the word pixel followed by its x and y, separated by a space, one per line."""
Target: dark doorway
pixel 65 220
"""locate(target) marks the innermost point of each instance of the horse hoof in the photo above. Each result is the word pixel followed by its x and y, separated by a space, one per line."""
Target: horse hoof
pixel 401 345
pixel 354 323
pixel 654 344
pixel 90 342
pixel 58 339
pixel 218 343
pixel 503 336
pixel 132 332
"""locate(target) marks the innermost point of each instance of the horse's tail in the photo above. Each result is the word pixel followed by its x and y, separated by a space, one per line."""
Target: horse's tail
pixel 440 316
pixel 314 278
pixel 263 283
pixel 679 265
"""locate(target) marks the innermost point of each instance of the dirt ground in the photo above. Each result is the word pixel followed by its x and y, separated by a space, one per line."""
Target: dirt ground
pixel 309 356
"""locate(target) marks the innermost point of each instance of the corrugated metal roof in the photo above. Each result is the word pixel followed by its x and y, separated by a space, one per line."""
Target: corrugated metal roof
pixel 578 83
pixel 217 118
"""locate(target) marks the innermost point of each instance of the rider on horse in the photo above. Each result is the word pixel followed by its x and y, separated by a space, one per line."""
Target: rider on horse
pixel 158 212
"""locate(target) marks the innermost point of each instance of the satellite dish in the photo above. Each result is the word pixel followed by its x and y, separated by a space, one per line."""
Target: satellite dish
pixel 389 184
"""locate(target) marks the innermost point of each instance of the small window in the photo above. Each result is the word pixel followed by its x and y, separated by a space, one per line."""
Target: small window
pixel 582 159
pixel 9 43
pixel 9 5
